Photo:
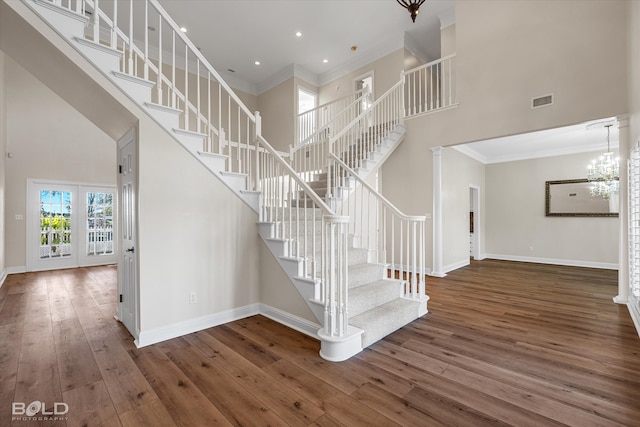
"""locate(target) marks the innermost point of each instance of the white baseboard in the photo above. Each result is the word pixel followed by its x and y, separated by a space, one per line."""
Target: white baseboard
pixel 16 270
pixel 3 277
pixel 294 322
pixel 553 261
pixel 185 327
pixel 456 265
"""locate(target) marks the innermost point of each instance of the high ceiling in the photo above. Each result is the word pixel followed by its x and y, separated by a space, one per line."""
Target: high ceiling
pixel 580 138
pixel 233 34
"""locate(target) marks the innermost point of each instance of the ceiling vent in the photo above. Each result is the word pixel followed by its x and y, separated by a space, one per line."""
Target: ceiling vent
pixel 542 101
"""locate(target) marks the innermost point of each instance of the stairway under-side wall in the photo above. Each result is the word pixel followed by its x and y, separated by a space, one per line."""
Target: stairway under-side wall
pixel 376 304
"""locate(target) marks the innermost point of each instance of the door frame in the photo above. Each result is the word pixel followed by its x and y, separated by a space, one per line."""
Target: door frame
pixel 474 198
pixel 131 137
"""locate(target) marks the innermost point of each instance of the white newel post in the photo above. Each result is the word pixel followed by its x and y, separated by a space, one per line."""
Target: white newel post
pixel 437 270
pixel 339 340
pixel 623 251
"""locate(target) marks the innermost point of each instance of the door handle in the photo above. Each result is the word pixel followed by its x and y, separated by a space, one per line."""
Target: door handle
pixel 131 250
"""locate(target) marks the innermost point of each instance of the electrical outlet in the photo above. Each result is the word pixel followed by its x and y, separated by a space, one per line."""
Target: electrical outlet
pixel 19 217
pixel 192 298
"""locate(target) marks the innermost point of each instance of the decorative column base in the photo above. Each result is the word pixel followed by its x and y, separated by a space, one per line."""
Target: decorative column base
pixel 338 349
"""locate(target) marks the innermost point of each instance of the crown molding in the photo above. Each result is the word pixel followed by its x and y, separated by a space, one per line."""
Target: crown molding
pixel 288 72
pixel 528 155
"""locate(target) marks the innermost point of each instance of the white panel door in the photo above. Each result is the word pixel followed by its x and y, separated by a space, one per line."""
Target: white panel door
pixel 128 266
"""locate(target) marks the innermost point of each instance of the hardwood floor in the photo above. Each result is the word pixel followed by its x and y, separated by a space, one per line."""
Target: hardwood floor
pixel 504 344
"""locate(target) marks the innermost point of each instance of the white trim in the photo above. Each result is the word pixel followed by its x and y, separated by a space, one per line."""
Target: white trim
pixel 554 261
pixel 3 277
pixel 455 265
pixel 186 327
pixel 16 270
pixel 294 322
pixel 189 326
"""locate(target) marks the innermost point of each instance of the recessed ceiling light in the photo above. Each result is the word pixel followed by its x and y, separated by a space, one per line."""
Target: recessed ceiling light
pixel 324 61
pixel 257 62
pixel 298 34
pixel 183 29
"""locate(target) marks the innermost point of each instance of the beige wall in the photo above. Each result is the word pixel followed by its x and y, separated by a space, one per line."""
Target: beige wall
pixel 276 107
pixel 48 139
pixel 516 225
pixel 195 235
pixel 386 73
pixel 276 289
pixel 448 40
pixel 459 172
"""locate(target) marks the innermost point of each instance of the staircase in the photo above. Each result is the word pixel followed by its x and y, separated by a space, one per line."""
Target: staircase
pixel 355 258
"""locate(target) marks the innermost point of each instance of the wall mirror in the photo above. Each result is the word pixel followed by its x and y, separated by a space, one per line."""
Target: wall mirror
pixel 572 197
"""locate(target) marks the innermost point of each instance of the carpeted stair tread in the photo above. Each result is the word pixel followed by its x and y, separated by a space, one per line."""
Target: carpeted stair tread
pixel 385 319
pixel 372 295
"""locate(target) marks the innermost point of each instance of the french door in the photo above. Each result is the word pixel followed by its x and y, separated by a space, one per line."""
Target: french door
pixel 69 225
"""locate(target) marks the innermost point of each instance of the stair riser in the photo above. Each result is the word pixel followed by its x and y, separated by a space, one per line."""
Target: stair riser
pixel 106 61
pixel 68 24
pixel 361 276
pixel 359 303
pixel 236 182
pixel 139 92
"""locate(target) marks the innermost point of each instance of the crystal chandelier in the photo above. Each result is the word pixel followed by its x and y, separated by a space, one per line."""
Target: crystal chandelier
pixel 604 173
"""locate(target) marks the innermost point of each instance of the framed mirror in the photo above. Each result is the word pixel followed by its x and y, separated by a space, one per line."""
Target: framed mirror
pixel 572 197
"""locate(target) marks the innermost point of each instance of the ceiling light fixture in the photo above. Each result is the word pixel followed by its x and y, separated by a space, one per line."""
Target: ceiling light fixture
pixel 257 62
pixel 413 6
pixel 604 173
pixel 183 29
pixel 298 34
pixel 324 61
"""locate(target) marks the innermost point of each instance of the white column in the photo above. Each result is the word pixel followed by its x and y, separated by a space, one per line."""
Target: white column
pixel 437 212
pixel 623 250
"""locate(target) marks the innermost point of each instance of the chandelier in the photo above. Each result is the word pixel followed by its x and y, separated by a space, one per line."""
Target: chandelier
pixel 413 6
pixel 604 173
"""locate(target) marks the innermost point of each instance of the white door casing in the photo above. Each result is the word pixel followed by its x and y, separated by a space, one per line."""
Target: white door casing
pixel 128 307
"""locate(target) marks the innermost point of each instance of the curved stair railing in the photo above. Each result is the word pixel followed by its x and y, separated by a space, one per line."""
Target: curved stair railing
pixel 392 238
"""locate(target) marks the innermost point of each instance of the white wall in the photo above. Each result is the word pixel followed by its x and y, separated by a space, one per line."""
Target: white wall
pixel 48 139
pixel 459 172
pixel 516 225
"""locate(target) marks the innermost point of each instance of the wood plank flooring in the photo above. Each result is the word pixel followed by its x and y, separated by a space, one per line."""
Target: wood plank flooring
pixel 504 343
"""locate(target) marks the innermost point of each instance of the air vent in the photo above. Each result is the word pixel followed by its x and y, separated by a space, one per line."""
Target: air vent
pixel 542 101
